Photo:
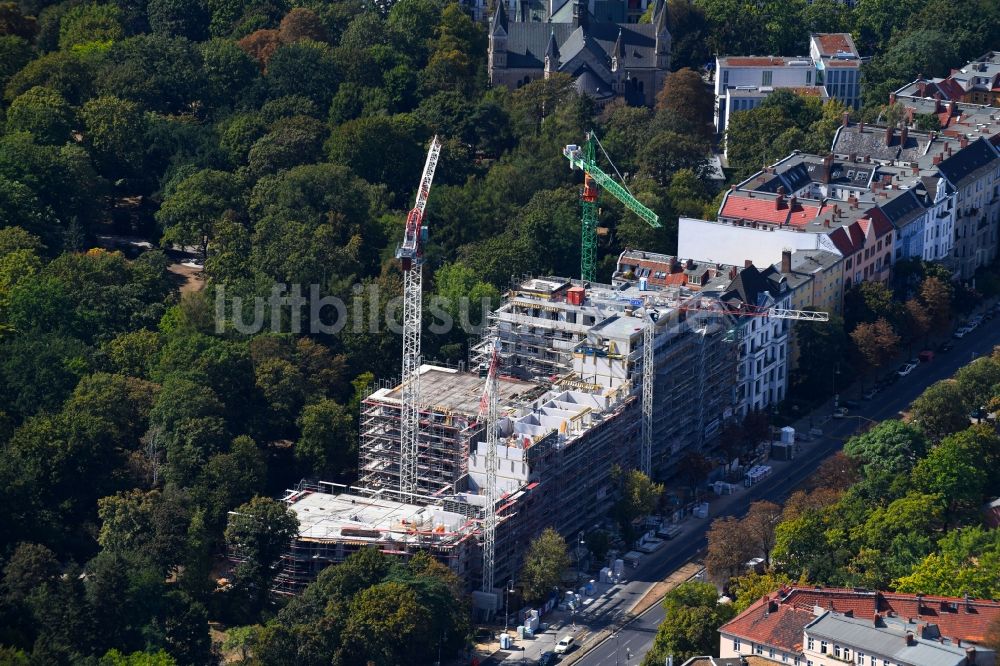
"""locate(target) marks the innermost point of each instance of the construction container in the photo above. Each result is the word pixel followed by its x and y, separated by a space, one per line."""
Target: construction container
pixel 575 295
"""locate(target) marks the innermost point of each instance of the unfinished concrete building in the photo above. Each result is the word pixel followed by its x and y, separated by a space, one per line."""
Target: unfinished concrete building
pixel 336 521
pixel 590 336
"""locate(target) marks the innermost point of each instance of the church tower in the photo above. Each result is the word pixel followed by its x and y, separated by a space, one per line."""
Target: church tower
pixel 663 40
pixel 498 41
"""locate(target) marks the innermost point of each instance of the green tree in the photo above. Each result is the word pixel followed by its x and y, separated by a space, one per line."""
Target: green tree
pixel 941 410
pixel 965 562
pixel 44 113
pixel 386 624
pixel 258 533
pixel 114 130
pixel 229 72
pixel 304 68
pixel 954 470
pixel 640 496
pixel 821 347
pixel 160 73
pixel 189 213
pixel 116 658
pixel 178 18
pixel 544 563
pixel 891 447
pixel 327 442
pixel 693 616
pixel 978 381
pixel 88 23
pixel 751 586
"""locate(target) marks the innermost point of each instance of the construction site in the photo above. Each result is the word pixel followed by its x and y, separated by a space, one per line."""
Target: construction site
pixel 571 380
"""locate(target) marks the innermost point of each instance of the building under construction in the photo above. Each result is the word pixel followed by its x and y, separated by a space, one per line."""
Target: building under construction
pixel 336 521
pixel 569 415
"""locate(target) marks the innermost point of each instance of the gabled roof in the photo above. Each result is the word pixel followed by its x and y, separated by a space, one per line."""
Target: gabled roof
pixel 964 162
pixel 769 620
pixel 903 209
pixel 766 208
pixel 528 42
pixel 499 22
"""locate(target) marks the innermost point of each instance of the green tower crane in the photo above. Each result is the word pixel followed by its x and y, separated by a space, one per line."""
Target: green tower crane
pixel 594 179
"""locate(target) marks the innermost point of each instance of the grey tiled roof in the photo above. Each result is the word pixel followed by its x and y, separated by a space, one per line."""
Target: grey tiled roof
pixel 871 142
pixel 526 43
pixel 888 641
pixel 964 162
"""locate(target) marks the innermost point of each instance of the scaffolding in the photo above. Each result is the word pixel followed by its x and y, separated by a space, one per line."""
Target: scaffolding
pixel 336 521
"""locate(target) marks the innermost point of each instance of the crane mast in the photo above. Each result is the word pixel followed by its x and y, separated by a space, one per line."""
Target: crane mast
pixel 489 409
pixel 410 255
pixel 594 179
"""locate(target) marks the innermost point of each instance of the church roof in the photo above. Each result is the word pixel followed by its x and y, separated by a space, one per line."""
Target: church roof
pixel 528 42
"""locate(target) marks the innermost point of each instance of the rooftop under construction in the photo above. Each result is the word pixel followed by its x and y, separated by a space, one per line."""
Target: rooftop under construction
pixel 335 521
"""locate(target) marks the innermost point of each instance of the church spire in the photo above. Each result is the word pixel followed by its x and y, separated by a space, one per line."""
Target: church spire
pixel 499 18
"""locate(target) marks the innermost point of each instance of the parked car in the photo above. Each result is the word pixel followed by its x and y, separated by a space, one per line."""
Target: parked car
pixel 945 348
pixel 547 659
pixel 564 645
pixel 926 356
pixel 906 368
pixel 840 412
pixel 962 332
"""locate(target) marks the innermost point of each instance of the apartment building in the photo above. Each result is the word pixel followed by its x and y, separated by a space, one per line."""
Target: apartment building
pixel 831 70
pixel 801 626
pixel 977 82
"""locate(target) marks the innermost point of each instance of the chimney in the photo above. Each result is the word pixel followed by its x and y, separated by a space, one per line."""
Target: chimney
pixel 853 201
pixel 826 222
pixel 970 656
pixel 903 136
pixel 952 107
pixel 689 264
pixel 968 603
pixel 824 175
pixel 937 159
pixel 845 119
pixel 877 620
pixel 889 131
pixel 920 603
pixel 909 115
pixel 922 88
pixel 909 638
pixel 786 261
pixel 779 201
pixel 853 157
pixel 916 169
pixel 963 142
pixel 792 201
pixel 747 263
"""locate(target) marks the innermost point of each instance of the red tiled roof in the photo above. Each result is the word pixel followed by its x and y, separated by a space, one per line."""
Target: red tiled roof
pixel 755 61
pixel 763 209
pixel 831 43
pixel 966 622
pixel 676 278
pixel 952 89
pixel 781 627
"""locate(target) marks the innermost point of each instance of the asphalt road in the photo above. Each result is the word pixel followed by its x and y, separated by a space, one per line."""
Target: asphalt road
pixel 637 637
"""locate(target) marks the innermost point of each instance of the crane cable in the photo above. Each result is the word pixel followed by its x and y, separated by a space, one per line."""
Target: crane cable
pixel 608 158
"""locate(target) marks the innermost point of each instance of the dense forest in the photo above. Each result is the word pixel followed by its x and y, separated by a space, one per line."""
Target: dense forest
pixel 281 143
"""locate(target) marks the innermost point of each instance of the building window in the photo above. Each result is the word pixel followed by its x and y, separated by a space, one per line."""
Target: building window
pixel 736 645
pixel 809 77
pixel 725 77
pixel 770 653
pixel 847 654
pixel 822 647
pixel 765 78
pixel 861 659
pixel 810 644
pixel 836 651
pixel 759 649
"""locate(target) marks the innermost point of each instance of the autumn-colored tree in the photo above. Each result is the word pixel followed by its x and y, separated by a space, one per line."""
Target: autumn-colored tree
pixel 726 553
pixel 301 23
pixel 261 45
pixel 876 343
pixel 687 96
pixel 757 528
pixel 838 472
pixel 937 297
